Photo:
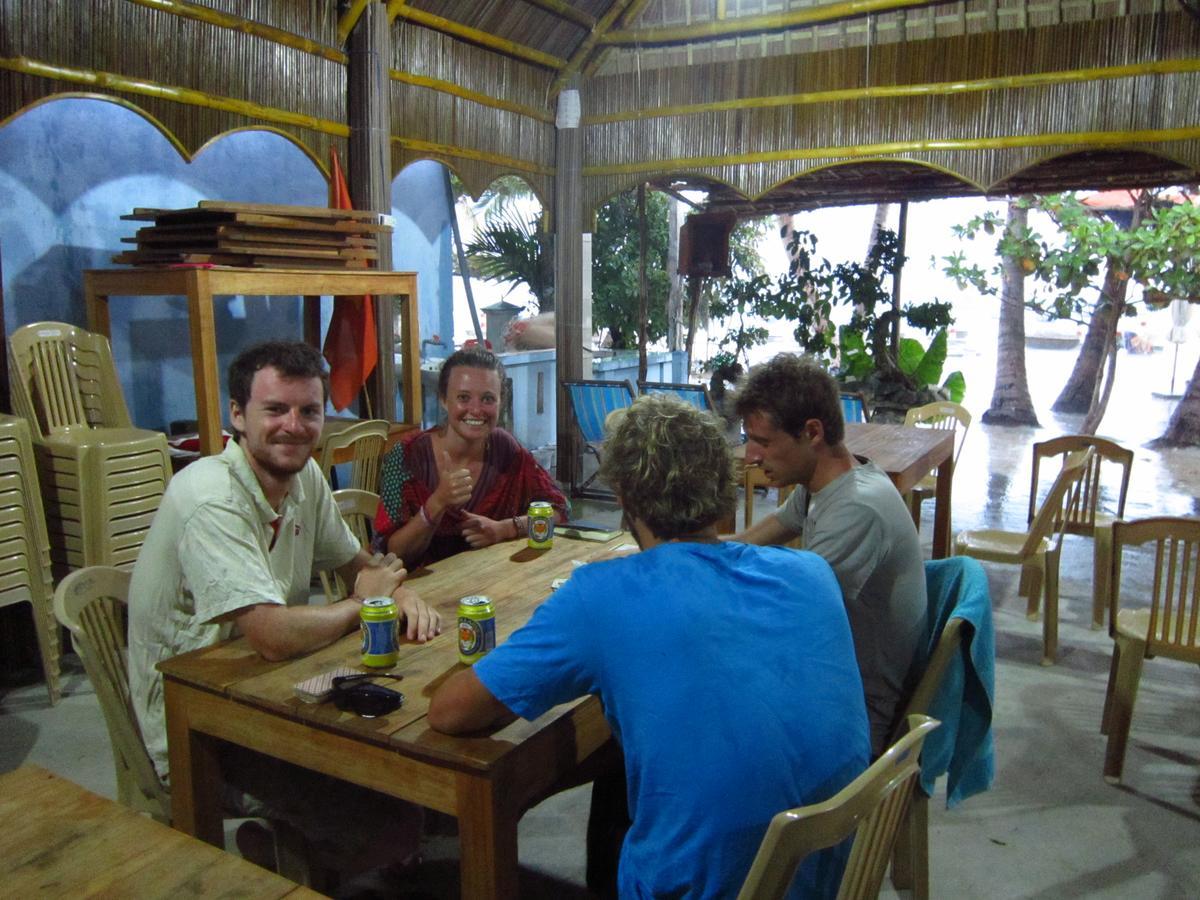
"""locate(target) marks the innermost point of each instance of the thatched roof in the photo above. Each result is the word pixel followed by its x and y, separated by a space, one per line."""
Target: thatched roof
pixel 776 105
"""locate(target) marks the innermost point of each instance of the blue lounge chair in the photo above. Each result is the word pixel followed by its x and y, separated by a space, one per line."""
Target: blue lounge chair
pixel 695 394
pixel 854 407
pixel 591 402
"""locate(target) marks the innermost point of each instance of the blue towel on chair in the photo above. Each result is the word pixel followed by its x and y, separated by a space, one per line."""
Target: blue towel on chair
pixel 963 746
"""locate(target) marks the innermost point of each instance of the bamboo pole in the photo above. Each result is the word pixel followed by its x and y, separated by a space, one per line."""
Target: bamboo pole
pixel 237 23
pixel 568 279
pixel 632 11
pixel 188 96
pixel 446 87
pixel 885 148
pixel 751 25
pixel 565 11
pixel 931 89
pixel 509 162
pixel 463 268
pixel 369 114
pixel 483 38
pixel 350 18
pixel 571 68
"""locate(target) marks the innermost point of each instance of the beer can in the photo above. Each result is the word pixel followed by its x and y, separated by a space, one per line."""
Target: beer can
pixel 541 525
pixel 476 628
pixel 380 632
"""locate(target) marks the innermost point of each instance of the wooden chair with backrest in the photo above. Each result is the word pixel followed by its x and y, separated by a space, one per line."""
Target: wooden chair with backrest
pixel 358 508
pixel 1169 626
pixel 1088 519
pixel 941 415
pixel 592 402
pixel 1038 549
pixel 871 808
pixel 695 394
pixel 362 445
pixel 101 478
pixel 92 604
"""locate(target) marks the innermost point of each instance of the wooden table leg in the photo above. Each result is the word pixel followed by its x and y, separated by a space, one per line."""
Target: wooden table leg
pixel 941 514
pixel 204 363
pixel 96 305
pixel 487 837
pixel 196 784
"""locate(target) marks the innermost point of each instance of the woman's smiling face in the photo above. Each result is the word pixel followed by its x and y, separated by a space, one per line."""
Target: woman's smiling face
pixel 472 402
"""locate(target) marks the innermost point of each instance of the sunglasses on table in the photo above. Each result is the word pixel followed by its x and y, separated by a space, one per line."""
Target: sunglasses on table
pixel 356 694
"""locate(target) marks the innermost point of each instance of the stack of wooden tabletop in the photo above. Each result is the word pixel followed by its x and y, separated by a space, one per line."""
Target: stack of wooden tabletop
pixel 221 233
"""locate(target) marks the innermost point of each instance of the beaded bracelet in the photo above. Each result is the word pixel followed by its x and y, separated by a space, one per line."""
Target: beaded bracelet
pixel 425 516
pixel 516 527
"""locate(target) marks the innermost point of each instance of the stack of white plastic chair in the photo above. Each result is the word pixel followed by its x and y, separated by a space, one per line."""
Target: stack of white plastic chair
pixel 102 479
pixel 24 550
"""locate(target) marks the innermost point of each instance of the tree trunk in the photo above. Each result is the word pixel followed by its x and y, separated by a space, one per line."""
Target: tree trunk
pixel 902 238
pixel 643 298
pixel 1095 415
pixel 1080 394
pixel 675 293
pixel 1011 403
pixel 1184 428
pixel 694 283
pixel 1076 395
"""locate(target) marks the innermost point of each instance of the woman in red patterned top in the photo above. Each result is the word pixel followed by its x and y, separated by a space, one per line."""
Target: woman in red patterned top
pixel 464 484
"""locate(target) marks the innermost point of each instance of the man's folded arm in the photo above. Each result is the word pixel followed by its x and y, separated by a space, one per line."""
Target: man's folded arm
pixel 278 632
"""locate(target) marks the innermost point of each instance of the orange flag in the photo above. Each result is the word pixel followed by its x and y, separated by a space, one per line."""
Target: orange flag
pixel 351 346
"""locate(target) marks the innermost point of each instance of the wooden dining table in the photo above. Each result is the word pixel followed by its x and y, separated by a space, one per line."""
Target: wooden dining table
pixel 228 693
pixel 60 840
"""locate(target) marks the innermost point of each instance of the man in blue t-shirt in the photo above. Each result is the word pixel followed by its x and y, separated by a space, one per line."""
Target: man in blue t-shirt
pixel 731 700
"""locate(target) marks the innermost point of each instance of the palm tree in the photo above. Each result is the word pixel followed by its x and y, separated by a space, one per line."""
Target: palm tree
pixel 513 249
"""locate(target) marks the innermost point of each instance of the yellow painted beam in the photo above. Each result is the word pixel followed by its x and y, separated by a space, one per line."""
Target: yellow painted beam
pixel 510 162
pixel 237 23
pixel 566 11
pixel 941 88
pixel 632 12
pixel 457 29
pixel 580 57
pixel 350 18
pixel 1082 140
pixel 747 25
pixel 446 87
pixel 144 88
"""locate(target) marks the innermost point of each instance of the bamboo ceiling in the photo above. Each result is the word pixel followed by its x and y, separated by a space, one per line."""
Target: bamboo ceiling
pixel 773 104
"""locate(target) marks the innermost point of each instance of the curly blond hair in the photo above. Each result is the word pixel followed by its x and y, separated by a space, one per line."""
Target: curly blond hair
pixel 669 464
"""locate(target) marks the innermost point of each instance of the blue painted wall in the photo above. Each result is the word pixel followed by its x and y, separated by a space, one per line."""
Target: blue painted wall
pixel 70 168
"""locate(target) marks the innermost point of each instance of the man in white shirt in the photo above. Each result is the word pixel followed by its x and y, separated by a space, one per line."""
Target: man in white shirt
pixel 849 512
pixel 238 537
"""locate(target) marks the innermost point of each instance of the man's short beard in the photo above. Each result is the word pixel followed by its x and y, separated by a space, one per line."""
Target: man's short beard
pixel 281 473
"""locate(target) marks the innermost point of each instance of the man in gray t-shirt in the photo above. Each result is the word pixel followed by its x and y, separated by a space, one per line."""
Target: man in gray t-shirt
pixel 848 512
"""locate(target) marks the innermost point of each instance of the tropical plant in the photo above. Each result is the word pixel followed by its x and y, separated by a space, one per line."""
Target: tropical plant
pixel 512 249
pixel 868 349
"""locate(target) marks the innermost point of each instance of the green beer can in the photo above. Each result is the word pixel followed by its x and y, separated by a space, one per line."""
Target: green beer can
pixel 380 632
pixel 541 525
pixel 476 628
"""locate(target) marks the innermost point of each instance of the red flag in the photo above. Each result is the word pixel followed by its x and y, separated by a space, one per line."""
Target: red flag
pixel 351 346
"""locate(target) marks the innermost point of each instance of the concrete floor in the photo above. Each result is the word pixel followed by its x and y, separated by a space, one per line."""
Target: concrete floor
pixel 1049 828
